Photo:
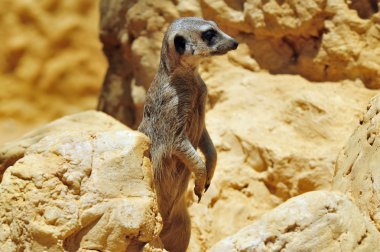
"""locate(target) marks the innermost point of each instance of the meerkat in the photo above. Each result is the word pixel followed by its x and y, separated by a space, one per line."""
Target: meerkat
pixel 174 120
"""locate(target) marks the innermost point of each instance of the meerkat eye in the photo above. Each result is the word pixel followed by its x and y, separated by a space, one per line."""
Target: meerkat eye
pixel 208 36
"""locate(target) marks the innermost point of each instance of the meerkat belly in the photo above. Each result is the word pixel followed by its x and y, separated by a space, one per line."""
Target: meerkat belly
pixel 195 123
pixel 172 185
pixel 194 128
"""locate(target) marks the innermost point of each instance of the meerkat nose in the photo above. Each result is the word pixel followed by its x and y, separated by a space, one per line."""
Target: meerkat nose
pixel 235 44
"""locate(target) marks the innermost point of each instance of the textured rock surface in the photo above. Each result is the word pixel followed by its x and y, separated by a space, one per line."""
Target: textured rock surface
pixel 84 183
pixel 12 151
pixel 315 221
pixel 116 96
pixel 357 169
pixel 318 39
pixel 51 62
pixel 276 137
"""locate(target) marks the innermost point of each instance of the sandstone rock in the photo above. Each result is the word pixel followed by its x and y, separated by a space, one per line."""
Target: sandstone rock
pixel 315 221
pixel 116 95
pixel 82 183
pixel 357 172
pixel 51 62
pixel 318 39
pixel 13 151
pixel 276 137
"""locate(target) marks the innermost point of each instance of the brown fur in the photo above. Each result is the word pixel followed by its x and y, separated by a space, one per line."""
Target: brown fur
pixel 174 119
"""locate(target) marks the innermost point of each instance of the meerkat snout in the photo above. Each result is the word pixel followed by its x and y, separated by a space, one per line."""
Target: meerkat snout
pixel 217 41
pixel 230 44
pixel 235 44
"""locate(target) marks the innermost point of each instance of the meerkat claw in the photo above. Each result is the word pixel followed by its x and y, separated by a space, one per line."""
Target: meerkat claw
pixel 206 187
pixel 199 197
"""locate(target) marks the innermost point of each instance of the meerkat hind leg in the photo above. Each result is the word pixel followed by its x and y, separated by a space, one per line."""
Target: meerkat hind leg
pixel 176 234
pixel 190 157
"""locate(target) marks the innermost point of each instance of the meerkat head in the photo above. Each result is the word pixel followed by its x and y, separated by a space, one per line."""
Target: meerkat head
pixel 191 39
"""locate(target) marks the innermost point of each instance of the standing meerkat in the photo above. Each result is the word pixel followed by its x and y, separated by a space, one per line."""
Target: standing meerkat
pixel 174 120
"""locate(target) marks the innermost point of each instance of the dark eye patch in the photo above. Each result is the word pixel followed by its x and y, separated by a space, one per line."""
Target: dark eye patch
pixel 209 36
pixel 180 44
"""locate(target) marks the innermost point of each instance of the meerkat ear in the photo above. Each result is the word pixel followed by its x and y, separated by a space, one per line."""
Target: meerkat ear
pixel 180 44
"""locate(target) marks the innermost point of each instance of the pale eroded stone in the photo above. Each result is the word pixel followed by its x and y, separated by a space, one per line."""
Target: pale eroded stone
pixel 83 182
pixel 276 137
pixel 314 221
pixel 51 62
pixel 357 168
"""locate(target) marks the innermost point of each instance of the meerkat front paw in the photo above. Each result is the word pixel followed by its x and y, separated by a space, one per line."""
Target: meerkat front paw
pixel 200 182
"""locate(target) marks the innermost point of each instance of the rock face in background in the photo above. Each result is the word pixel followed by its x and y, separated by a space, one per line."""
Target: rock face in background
pixel 276 137
pixel 278 132
pixel 318 39
pixel 83 182
pixel 51 62
pixel 116 95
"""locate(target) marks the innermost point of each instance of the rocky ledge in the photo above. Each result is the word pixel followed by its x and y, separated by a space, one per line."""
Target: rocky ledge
pixel 81 183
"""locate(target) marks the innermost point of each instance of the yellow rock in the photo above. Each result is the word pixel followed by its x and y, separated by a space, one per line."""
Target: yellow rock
pixel 83 182
pixel 314 221
pixel 51 62
pixel 276 137
pixel 357 172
